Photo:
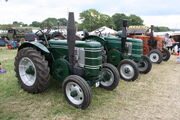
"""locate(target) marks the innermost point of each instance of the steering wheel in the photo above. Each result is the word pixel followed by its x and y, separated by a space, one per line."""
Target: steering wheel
pixel 100 30
pixel 36 33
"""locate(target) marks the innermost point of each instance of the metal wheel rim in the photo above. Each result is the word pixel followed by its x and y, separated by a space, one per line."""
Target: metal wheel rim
pixel 72 86
pixel 143 68
pixel 164 55
pixel 154 57
pixel 24 64
pixel 123 69
pixel 110 81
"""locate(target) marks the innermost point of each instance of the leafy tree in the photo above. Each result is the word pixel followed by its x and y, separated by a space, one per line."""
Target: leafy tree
pixel 132 20
pixel 92 19
pixel 49 23
pixel 16 23
pixel 106 20
pixel 62 21
pixel 35 24
pixel 135 20
pixel 161 29
pixel 89 19
pixel 117 19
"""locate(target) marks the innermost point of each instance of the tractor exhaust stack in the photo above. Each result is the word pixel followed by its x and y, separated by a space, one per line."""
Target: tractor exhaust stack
pixel 71 31
pixel 124 36
pixel 152 42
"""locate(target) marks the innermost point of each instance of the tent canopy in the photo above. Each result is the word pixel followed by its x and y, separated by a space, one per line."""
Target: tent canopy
pixel 104 31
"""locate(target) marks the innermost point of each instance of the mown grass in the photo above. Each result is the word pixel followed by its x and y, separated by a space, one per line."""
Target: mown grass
pixel 18 104
pixel 51 104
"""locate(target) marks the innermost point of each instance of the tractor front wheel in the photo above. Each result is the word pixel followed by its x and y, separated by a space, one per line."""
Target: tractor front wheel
pixel 128 70
pixel 111 77
pixel 32 70
pixel 145 65
pixel 77 91
pixel 166 54
pixel 155 56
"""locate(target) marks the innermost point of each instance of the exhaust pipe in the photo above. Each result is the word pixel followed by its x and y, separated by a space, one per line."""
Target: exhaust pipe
pixel 124 36
pixel 71 31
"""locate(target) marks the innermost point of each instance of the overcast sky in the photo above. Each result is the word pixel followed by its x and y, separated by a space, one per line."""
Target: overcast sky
pixel 153 12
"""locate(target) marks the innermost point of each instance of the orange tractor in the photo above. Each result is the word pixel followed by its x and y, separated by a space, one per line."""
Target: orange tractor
pixel 153 46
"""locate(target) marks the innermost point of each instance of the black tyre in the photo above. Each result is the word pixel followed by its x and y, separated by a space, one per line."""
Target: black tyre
pixel 145 65
pixel 128 70
pixel 166 54
pixel 155 56
pixel 77 91
pixel 111 77
pixel 32 70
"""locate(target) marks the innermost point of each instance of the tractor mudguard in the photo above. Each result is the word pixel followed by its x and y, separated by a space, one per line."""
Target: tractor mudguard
pixel 35 45
pixel 95 38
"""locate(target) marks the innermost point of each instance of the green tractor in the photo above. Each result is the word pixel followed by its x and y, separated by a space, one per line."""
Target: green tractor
pixel 77 64
pixel 125 53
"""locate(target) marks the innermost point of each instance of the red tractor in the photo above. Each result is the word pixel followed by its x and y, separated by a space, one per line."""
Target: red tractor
pixel 153 46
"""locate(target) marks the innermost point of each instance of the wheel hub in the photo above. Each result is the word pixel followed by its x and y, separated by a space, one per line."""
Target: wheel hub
pixel 74 93
pixel 154 57
pixel 30 70
pixel 27 71
pixel 108 77
pixel 127 71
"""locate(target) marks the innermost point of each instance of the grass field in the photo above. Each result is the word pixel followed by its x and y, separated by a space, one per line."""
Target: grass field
pixel 153 96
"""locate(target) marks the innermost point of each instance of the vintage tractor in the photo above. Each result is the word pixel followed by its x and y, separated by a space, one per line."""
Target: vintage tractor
pixel 124 53
pixel 77 64
pixel 15 33
pixel 152 45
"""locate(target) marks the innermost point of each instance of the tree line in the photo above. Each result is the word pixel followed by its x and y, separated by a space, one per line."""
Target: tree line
pixel 92 19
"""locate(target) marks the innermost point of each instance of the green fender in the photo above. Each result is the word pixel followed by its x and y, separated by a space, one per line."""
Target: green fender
pixel 36 45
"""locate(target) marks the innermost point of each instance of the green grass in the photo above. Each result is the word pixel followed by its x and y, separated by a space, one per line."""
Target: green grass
pixel 122 103
pixel 51 104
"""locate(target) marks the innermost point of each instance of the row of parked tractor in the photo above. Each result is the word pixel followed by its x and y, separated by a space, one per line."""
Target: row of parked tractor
pixel 80 64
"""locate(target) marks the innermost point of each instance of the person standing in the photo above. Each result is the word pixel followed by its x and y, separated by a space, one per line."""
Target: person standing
pixel 169 44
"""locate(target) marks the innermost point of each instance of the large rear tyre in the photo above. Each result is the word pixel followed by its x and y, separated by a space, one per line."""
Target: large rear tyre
pixel 155 56
pixel 111 77
pixel 128 70
pixel 32 70
pixel 145 65
pixel 77 91
pixel 166 54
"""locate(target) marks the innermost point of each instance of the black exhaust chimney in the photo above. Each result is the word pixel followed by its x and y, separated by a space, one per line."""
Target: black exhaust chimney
pixel 71 31
pixel 124 36
pixel 152 42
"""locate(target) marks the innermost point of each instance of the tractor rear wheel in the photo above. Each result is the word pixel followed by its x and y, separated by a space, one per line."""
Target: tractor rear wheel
pixel 145 65
pixel 111 77
pixel 77 91
pixel 155 56
pixel 128 70
pixel 166 54
pixel 32 70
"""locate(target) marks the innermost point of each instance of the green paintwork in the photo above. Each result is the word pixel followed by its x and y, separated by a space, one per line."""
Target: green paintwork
pixel 57 56
pixel 36 45
pixel 30 70
pixel 93 54
pixel 60 69
pixel 74 93
pixel 114 56
pixel 112 45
